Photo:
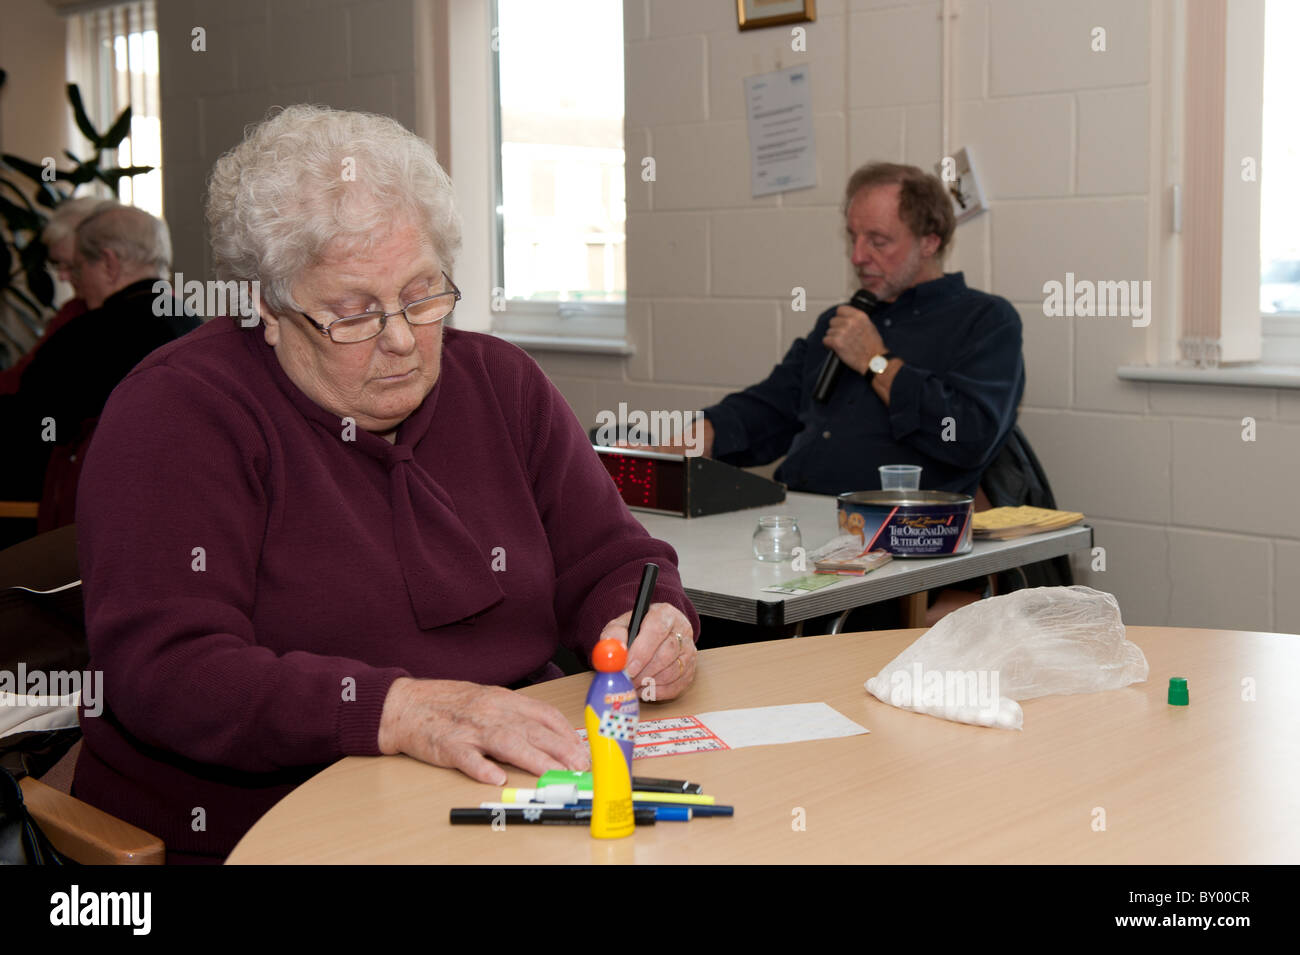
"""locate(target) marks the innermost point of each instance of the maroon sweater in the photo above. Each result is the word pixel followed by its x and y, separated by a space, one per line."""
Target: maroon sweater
pixel 255 581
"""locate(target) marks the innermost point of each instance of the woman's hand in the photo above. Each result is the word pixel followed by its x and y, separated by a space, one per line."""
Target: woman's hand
pixel 661 663
pixel 459 725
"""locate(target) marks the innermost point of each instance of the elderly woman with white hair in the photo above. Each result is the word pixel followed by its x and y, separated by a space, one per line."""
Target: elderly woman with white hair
pixel 348 529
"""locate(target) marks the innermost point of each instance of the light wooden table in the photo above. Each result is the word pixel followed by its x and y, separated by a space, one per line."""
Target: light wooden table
pixel 715 558
pixel 1215 782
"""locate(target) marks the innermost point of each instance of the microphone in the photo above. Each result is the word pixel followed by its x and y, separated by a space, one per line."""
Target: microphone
pixel 862 300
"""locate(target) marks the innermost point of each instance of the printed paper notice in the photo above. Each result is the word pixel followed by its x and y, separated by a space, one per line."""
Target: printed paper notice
pixel 782 152
pixel 733 729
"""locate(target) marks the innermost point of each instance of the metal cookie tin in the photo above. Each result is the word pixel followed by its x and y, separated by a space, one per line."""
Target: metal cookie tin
pixel 909 523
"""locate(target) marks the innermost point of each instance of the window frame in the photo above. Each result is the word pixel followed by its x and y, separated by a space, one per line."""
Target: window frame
pixel 588 326
pixel 1236 255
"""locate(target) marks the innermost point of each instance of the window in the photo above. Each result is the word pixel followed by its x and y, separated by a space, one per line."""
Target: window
pixel 1223 160
pixel 113 59
pixel 1279 238
pixel 560 211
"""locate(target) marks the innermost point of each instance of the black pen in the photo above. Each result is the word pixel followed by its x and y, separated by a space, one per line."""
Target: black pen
pixel 537 817
pixel 648 577
pixel 650 784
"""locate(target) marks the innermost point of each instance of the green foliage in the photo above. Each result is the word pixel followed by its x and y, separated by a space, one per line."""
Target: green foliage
pixel 24 278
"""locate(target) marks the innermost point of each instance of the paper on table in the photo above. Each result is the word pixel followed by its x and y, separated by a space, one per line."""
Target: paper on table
pixel 792 723
pixel 733 729
pixel 803 585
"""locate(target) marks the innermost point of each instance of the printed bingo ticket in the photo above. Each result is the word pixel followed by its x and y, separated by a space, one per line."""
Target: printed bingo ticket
pixel 733 729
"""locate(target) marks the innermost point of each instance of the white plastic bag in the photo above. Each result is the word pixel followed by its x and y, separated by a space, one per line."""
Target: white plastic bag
pixel 974 664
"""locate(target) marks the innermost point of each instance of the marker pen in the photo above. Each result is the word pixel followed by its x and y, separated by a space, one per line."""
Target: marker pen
pixel 649 784
pixel 584 802
pixel 537 817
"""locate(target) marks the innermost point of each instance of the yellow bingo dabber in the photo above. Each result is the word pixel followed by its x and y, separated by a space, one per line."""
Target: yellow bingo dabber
pixel 611 716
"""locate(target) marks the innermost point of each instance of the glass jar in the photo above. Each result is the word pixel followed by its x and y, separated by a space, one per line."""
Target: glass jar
pixel 776 538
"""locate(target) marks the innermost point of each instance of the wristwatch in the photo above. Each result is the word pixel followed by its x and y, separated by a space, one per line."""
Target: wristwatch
pixel 878 364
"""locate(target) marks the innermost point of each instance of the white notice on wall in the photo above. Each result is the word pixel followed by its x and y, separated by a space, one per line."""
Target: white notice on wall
pixel 782 153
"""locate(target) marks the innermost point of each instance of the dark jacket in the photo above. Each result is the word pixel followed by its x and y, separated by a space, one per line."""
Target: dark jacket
pixel 1015 479
pixel 64 387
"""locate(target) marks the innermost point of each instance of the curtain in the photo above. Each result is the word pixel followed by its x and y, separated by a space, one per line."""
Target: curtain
pixel 113 58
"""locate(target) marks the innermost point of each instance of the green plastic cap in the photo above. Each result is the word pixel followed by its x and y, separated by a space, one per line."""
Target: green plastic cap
pixel 1177 691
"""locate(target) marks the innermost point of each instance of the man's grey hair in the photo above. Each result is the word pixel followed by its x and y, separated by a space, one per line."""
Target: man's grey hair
pixel 69 214
pixel 133 235
pixel 310 177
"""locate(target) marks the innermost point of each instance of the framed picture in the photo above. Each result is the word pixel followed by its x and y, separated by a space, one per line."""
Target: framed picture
pixel 752 14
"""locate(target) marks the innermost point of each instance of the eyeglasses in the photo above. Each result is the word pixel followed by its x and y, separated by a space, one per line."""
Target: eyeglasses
pixel 361 328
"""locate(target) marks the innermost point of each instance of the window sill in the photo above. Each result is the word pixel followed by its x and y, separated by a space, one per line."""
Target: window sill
pixel 585 346
pixel 1255 376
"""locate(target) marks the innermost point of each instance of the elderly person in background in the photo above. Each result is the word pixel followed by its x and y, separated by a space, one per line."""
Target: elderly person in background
pixel 350 529
pixel 60 238
pixel 117 254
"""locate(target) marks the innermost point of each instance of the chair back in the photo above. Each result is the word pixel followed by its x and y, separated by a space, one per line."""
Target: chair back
pixel 1014 479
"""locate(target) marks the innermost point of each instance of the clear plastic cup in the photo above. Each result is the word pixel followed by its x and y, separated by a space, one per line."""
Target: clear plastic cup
pixel 900 477
pixel 776 538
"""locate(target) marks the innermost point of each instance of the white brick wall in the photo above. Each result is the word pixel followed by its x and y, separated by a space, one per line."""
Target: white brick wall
pixel 1197 526
pixel 351 54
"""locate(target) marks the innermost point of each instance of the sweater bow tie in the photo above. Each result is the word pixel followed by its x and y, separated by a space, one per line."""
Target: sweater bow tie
pixel 447 576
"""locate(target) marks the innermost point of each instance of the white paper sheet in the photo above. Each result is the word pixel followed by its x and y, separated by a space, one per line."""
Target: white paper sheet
pixel 782 151
pixel 733 729
pixel 793 723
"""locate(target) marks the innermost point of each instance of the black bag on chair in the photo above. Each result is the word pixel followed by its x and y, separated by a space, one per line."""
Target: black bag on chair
pixel 21 840
pixel 42 628
pixel 1015 479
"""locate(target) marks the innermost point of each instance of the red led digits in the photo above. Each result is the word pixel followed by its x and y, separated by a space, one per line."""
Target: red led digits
pixel 635 478
pixel 638 474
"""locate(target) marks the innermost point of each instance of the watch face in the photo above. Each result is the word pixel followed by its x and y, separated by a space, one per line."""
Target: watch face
pixel 878 364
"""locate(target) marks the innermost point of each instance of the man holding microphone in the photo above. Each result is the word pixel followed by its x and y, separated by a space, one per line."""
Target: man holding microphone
pixel 933 377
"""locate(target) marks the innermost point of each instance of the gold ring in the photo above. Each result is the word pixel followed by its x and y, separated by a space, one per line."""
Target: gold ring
pixel 681 668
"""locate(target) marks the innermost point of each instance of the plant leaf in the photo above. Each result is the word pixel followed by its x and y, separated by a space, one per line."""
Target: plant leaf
pixel 30 307
pixel 114 177
pixel 41 285
pixel 121 171
pixel 17 192
pixel 120 129
pixel 48 196
pixel 34 253
pixel 79 112
pixel 28 169
pixel 19 219
pixel 82 174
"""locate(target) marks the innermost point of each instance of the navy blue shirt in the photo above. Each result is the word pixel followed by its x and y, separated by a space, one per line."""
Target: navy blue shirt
pixel 952 404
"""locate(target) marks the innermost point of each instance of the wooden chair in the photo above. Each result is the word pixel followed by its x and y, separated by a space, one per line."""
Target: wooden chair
pixel 86 834
pixel 76 828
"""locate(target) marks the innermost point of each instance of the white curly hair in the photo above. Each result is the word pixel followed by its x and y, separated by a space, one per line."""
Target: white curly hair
pixel 311 177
